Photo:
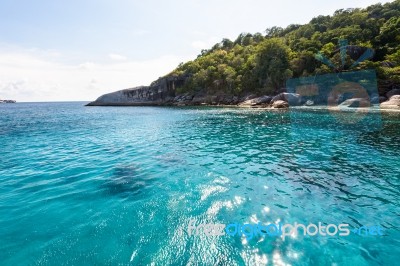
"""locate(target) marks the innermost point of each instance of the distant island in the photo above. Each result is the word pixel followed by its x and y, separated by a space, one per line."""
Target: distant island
pixel 8 101
pixel 253 69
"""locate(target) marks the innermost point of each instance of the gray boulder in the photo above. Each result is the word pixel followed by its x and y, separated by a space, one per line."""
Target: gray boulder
pixel 199 99
pixel 392 93
pixel 257 101
pixel 183 98
pixel 393 103
pixel 291 98
pixel 214 100
pixel 279 97
pixel 280 104
pixel 262 100
pixel 227 99
pixel 248 97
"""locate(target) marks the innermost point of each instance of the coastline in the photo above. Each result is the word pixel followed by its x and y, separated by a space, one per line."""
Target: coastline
pixel 163 93
pixel 372 109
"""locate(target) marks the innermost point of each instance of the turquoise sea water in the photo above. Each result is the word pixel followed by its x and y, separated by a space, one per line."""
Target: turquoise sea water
pixel 108 186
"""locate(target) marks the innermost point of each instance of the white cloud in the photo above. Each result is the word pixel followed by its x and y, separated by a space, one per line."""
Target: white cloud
pixel 117 57
pixel 27 77
pixel 86 65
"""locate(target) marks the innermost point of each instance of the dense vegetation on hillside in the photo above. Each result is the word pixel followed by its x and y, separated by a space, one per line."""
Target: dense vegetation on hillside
pixel 261 63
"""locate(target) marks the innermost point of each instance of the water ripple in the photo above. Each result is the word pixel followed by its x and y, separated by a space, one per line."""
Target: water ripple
pixel 120 185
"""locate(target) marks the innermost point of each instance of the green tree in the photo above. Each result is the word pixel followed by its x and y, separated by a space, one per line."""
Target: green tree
pixel 272 64
pixel 254 62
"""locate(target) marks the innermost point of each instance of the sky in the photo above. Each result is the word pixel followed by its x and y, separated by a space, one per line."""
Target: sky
pixel 77 50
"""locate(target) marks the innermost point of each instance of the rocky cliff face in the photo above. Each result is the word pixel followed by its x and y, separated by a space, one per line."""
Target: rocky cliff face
pixel 163 92
pixel 160 92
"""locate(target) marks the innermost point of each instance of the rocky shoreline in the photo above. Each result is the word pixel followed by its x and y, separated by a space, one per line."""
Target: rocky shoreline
pixel 163 93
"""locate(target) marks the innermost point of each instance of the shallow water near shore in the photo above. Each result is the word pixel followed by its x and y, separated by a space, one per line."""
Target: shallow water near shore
pixel 119 185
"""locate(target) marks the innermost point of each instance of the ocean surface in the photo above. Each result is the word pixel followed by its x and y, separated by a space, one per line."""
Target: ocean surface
pixel 119 186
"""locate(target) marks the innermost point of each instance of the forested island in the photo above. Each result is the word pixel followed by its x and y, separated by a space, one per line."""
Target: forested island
pixel 254 68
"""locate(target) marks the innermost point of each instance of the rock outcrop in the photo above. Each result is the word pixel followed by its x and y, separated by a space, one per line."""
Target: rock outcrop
pixel 160 92
pixel 280 104
pixel 164 91
pixel 293 99
pixel 393 103
pixel 263 100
